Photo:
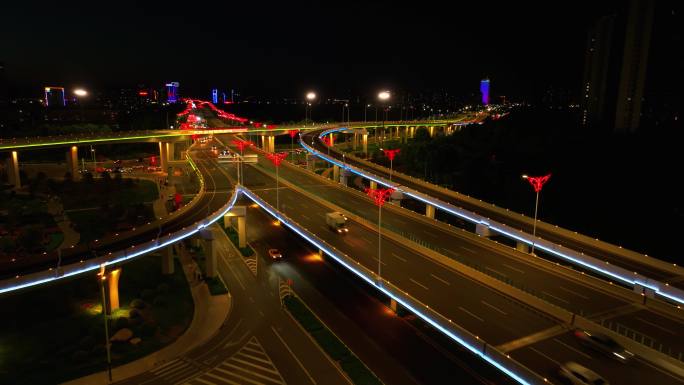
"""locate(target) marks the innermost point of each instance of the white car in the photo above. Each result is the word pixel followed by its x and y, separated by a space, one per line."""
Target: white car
pixel 577 374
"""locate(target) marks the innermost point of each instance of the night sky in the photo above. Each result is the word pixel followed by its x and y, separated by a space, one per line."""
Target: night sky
pixel 284 48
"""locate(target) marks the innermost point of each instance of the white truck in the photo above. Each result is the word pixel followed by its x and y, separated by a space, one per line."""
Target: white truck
pixel 337 222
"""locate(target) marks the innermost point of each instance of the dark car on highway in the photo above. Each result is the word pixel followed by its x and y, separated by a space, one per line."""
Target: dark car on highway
pixel 604 344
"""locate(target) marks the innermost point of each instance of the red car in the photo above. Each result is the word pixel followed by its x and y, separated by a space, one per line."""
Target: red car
pixel 275 254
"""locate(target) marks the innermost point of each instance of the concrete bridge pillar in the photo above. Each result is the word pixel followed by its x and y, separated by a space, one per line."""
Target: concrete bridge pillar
pixel 113 284
pixel 12 168
pixel 430 211
pixel 72 162
pixel 523 247
pixel 365 144
pixel 336 172
pixel 483 230
pixel 239 212
pixel 344 177
pixel 170 151
pixel 355 141
pixel 394 305
pixel 431 130
pixel 373 185
pixel 167 260
pixel 209 253
pixel 396 197
pixel 412 132
pixel 163 157
pixel 331 139
pixel 310 161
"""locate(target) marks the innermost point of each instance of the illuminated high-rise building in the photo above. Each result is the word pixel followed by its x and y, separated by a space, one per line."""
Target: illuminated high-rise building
pixel 214 96
pixel 54 97
pixel 172 92
pixel 484 90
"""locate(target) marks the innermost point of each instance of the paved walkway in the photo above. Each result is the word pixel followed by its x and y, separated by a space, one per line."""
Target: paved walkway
pixel 71 236
pixel 210 313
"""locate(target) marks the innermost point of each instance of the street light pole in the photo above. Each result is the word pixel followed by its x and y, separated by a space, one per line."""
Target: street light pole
pixel 103 277
pixel 310 97
pixel 379 196
pixel 537 183
pixel 383 96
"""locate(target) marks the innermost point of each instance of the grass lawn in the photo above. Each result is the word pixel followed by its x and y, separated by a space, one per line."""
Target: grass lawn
pixel 56 333
pixel 333 347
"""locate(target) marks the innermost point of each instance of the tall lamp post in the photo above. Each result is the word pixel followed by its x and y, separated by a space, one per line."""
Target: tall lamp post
pixel 102 277
pixel 384 97
pixel 241 145
pixel 537 183
pixel 292 134
pixel 277 158
pixel 310 97
pixel 365 112
pixel 379 196
pixel 80 94
pixel 391 154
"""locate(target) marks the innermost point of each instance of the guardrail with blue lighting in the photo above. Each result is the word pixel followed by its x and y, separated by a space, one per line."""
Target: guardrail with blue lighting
pixel 91 265
pixel 619 274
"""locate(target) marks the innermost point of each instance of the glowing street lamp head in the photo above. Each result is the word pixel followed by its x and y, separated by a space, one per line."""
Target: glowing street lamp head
pixel 80 92
pixel 311 96
pixel 384 95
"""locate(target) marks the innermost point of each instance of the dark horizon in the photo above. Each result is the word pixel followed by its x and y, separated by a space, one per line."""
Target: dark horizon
pixel 282 50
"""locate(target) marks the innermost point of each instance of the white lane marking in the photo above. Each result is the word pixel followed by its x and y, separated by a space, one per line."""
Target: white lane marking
pixel 398 257
pixel 513 268
pixel 555 297
pixel 471 314
pixel 467 249
pixel 585 355
pixel 497 272
pixel 573 292
pixel 418 283
pixel 545 356
pixel 444 281
pixel 383 263
pixel 655 325
pixel 293 355
pixel 494 307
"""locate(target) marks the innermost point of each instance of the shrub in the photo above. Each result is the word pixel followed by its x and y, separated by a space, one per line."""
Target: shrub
pixel 148 294
pixel 134 314
pixel 163 288
pixel 120 323
pixel 138 304
pixel 159 300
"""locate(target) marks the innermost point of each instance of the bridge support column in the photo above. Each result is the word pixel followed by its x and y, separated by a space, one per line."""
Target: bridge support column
pixel 483 230
pixel 310 161
pixel 167 260
pixel 431 129
pixel 163 157
pixel 373 185
pixel 331 139
pixel 336 172
pixel 12 168
pixel 412 132
pixel 170 151
pixel 113 283
pixel 72 162
pixel 394 305
pixel 344 177
pixel 365 144
pixel 355 141
pixel 430 211
pixel 240 212
pixel 523 247
pixel 209 253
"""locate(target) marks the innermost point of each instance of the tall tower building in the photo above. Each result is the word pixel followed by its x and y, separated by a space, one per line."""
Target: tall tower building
pixel 634 61
pixel 615 68
pixel 172 92
pixel 484 90
pixel 54 97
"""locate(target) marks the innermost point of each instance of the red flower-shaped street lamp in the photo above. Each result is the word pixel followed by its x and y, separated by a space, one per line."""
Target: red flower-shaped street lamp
pixel 537 183
pixel 277 158
pixel 292 134
pixel 379 196
pixel 391 154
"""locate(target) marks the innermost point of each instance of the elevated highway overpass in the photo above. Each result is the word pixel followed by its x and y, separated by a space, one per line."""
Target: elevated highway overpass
pixel 647 275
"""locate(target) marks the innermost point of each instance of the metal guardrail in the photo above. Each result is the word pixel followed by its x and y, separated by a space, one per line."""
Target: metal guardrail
pixel 613 272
